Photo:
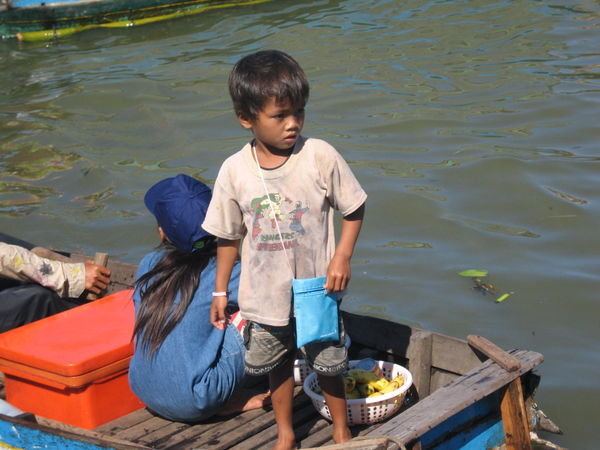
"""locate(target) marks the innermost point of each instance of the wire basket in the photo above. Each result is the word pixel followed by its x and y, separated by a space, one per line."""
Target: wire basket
pixel 302 369
pixel 365 410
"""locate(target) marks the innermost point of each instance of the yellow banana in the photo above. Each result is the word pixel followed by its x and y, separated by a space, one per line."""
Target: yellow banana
pixel 399 379
pixel 354 393
pixel 365 389
pixel 379 384
pixel 349 383
pixel 392 386
pixel 362 376
pixel 374 394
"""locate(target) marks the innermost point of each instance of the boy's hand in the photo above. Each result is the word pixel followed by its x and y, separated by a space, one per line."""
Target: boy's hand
pixel 338 274
pixel 218 316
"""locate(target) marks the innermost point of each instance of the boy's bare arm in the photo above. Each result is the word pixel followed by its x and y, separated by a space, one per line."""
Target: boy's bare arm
pixel 339 272
pixel 227 252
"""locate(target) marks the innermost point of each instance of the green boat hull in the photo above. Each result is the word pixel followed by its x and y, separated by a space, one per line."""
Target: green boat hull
pixel 48 22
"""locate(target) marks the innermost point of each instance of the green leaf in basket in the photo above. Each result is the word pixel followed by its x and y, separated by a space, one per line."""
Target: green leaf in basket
pixel 473 273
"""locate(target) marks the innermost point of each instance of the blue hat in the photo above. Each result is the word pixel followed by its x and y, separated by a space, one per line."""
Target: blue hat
pixel 179 204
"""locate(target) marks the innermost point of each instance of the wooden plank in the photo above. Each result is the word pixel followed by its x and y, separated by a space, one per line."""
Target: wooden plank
pixel 174 440
pixel 514 417
pixel 318 430
pixel 378 334
pixel 162 433
pixel 452 355
pixel 225 436
pixel 242 423
pixel 303 413
pixel 449 400
pixel 491 350
pixel 440 378
pixel 420 361
pixel 122 276
pixel 448 353
pixel 366 443
pixel 141 429
pixel 124 422
pixel 317 434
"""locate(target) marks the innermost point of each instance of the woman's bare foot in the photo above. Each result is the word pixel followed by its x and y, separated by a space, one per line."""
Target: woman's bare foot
pixel 245 400
pixel 257 401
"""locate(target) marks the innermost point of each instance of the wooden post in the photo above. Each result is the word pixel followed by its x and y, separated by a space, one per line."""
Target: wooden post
pixel 499 356
pixel 420 361
pixel 100 259
pixel 514 418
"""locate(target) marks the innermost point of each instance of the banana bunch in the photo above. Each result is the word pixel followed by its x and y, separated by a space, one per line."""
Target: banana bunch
pixel 396 383
pixel 361 383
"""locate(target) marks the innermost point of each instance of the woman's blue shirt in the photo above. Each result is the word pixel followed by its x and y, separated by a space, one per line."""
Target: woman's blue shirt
pixel 197 367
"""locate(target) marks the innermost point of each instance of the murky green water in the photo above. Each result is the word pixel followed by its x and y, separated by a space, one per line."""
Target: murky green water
pixel 473 125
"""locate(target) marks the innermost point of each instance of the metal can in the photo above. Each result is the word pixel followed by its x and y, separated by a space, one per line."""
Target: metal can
pixel 369 364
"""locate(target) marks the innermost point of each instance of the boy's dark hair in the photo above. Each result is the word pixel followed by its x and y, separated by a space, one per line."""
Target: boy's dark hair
pixel 270 73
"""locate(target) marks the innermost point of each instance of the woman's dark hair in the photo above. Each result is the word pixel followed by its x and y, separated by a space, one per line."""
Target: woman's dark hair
pixel 177 272
pixel 263 75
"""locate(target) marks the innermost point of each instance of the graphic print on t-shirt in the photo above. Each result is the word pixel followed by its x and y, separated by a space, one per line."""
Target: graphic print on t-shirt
pixel 279 210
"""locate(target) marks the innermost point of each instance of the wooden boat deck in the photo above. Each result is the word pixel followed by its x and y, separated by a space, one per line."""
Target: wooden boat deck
pixel 257 430
pixel 253 429
pixel 450 376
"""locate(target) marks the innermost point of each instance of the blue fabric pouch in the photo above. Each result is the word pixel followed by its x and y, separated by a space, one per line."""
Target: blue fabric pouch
pixel 316 312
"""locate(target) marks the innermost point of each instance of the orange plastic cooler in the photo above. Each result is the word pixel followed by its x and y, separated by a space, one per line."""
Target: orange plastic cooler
pixel 72 367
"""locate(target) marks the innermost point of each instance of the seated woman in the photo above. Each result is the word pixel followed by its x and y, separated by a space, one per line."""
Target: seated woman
pixel 183 368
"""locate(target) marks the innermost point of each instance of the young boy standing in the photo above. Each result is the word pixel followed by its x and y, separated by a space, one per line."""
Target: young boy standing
pixel 279 194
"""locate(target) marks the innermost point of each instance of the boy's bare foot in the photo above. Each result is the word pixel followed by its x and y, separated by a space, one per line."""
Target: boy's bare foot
pixel 342 434
pixel 285 444
pixel 245 400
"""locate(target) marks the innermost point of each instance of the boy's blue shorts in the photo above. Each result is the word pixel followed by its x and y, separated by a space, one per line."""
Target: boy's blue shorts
pixel 267 347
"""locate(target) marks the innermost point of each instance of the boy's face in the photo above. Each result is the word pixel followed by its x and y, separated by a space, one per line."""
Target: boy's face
pixel 277 126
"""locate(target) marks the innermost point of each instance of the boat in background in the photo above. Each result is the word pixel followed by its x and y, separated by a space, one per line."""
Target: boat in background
pixel 38 20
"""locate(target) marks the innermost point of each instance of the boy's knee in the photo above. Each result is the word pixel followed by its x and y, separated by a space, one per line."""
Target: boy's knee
pixel 267 347
pixel 327 360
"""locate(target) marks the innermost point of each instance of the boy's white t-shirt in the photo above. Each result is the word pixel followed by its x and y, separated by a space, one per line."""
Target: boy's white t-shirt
pixel 304 193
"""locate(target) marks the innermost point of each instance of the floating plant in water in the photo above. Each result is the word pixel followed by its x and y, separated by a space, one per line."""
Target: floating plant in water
pixel 482 286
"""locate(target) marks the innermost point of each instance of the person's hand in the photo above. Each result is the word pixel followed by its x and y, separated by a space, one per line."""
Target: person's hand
pixel 96 277
pixel 218 316
pixel 338 274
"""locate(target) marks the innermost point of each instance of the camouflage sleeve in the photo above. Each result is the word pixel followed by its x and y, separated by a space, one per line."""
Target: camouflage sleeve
pixel 67 279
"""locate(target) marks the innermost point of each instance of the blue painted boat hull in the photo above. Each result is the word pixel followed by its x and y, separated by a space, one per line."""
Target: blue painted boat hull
pixel 477 427
pixel 21 436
